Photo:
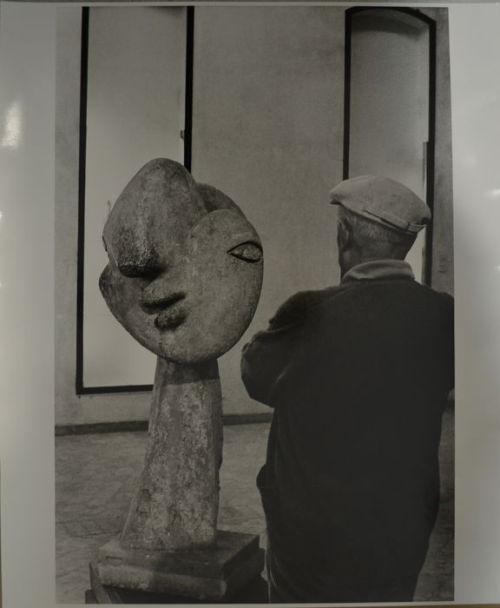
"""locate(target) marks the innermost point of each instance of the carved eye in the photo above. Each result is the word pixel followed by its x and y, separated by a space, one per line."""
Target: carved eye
pixel 248 252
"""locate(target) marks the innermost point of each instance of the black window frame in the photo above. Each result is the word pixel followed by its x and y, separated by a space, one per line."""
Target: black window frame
pixel 187 136
pixel 431 145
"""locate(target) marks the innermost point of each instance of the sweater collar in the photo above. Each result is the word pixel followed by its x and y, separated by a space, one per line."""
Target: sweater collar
pixel 379 269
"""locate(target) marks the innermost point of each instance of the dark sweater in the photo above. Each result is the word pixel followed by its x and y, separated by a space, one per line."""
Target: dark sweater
pixel 358 375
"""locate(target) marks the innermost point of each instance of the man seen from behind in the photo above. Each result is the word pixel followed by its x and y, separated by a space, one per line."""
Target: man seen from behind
pixel 358 376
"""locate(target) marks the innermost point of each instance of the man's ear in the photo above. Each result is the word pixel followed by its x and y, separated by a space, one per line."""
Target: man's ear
pixel 343 236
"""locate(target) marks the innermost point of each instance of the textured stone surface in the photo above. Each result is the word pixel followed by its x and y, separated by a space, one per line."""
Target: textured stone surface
pixel 185 265
pixel 254 592
pixel 184 278
pixel 210 573
pixel 176 502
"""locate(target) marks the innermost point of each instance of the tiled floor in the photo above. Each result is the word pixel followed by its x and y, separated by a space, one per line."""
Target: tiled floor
pixel 95 478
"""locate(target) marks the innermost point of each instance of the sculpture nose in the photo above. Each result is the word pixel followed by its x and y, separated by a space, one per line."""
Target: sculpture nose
pixel 133 270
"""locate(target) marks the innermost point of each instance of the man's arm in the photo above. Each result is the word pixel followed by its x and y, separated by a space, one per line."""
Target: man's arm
pixel 268 355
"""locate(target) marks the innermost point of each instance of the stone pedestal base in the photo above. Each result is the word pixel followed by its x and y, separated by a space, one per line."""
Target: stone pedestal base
pixel 212 575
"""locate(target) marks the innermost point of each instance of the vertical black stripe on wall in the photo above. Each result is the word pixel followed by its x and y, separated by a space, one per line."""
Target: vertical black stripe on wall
pixel 188 111
pixel 81 198
pixel 431 151
pixel 347 93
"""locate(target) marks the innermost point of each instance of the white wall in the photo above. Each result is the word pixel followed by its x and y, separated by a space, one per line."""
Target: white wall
pixel 268 131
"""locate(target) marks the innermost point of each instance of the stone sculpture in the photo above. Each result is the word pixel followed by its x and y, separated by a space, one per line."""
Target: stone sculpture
pixel 183 278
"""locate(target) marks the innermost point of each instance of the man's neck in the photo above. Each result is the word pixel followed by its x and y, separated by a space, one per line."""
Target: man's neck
pixel 358 259
pixel 378 269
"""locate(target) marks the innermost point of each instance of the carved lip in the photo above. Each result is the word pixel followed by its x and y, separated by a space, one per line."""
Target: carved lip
pixel 168 315
pixel 170 319
pixel 159 305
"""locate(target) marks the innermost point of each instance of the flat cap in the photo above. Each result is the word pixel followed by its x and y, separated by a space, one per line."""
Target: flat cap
pixel 382 200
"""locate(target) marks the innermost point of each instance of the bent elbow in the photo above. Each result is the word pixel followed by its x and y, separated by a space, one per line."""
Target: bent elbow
pixel 256 389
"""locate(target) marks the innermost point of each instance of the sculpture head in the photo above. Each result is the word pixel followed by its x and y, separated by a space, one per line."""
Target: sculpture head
pixel 185 265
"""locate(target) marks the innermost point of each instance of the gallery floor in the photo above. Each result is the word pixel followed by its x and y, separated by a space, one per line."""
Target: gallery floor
pixel 95 478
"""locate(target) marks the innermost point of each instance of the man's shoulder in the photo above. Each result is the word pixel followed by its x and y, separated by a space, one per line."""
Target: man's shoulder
pixel 443 298
pixel 391 286
pixel 305 304
pixel 309 304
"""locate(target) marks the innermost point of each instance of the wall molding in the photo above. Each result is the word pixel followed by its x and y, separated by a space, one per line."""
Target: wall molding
pixel 142 425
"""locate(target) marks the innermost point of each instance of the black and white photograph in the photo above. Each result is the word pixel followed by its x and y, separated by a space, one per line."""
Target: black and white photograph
pixel 249 300
pixel 254 321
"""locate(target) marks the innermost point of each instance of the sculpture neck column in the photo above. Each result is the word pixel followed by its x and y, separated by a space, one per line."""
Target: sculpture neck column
pixel 175 507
